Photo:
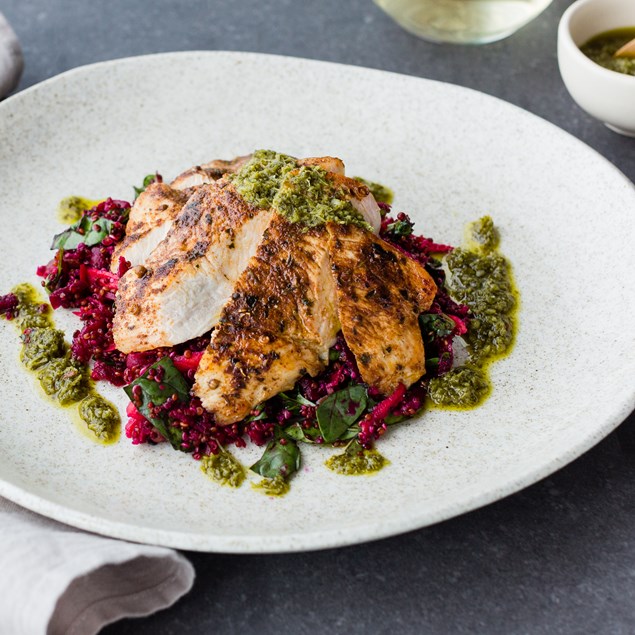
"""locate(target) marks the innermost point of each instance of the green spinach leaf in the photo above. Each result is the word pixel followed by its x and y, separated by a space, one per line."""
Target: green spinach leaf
pixel 86 230
pixel 147 180
pixel 400 228
pixel 298 433
pixel 435 325
pixel 157 393
pixel 280 459
pixel 258 414
pixel 341 410
pixel 294 402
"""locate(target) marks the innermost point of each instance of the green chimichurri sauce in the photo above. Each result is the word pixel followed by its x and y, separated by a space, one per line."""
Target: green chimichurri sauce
pixel 356 461
pixel 602 47
pixel 462 386
pixel 65 379
pixel 480 277
pixel 223 468
pixel 62 378
pixel 300 194
pixel 40 346
pixel 70 209
pixel 100 417
pixel 259 179
pixel 308 196
pixel 277 486
pixel 34 312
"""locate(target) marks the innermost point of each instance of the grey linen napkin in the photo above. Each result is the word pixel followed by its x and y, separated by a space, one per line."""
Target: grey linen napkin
pixel 56 580
pixel 11 62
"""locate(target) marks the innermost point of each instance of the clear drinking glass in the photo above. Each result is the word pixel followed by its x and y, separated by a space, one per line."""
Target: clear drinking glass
pixel 463 21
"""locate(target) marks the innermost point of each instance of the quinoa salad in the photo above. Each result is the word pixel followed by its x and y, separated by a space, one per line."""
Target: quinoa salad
pixel 333 396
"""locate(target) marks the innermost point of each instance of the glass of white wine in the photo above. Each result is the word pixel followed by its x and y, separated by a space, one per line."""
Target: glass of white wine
pixel 463 21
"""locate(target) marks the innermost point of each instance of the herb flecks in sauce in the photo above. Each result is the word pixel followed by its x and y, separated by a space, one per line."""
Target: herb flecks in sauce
pixel 307 195
pixel 301 194
pixel 259 179
pixel 62 378
pixel 71 208
pixel 356 461
pixel 481 281
pixel 40 346
pixel 602 48
pixel 33 310
pixel 483 235
pixel 277 486
pixel 463 386
pixel 100 417
pixel 223 468
pixel 381 193
pixel 481 278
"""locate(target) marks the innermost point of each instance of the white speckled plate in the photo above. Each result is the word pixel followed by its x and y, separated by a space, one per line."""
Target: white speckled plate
pixel 451 154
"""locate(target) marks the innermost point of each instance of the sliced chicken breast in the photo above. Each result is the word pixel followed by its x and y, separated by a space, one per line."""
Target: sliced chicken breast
pixel 151 217
pixel 208 172
pixel 156 208
pixel 179 293
pixel 165 303
pixel 380 294
pixel 280 323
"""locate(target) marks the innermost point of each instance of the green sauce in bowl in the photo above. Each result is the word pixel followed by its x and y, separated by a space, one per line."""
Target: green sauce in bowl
pixel 601 49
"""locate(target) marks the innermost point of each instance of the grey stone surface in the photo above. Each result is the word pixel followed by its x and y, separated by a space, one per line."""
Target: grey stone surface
pixel 558 557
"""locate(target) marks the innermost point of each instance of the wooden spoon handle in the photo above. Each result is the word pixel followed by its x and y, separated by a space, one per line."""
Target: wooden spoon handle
pixel 628 50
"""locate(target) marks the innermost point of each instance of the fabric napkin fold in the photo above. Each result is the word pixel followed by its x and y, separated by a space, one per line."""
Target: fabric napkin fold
pixel 56 580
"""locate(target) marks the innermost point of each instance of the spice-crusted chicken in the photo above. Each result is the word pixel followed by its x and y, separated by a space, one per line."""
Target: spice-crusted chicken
pixel 276 259
pixel 151 217
pixel 280 323
pixel 179 292
pixel 214 170
pixel 330 164
pixel 208 172
pixel 299 290
pixel 156 208
pixel 380 294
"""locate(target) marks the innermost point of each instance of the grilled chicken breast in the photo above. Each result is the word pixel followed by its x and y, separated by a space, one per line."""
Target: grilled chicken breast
pixel 151 218
pixel 208 172
pixel 380 294
pixel 156 208
pixel 279 324
pixel 179 293
pixel 276 292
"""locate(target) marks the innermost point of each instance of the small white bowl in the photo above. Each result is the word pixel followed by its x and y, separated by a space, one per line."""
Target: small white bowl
pixel 607 95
